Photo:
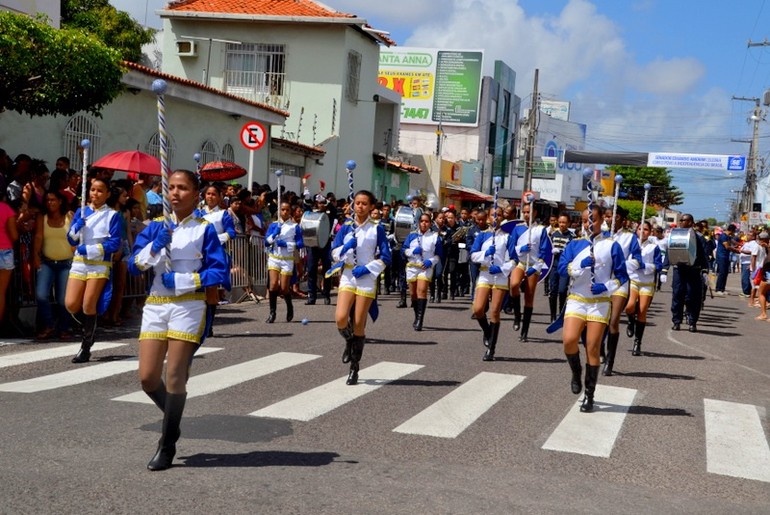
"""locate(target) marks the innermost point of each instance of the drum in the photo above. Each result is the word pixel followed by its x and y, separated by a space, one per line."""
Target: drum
pixel 463 254
pixel 315 229
pixel 406 222
pixel 682 247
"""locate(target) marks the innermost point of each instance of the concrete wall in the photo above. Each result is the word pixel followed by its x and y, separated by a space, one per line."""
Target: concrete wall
pixel 51 8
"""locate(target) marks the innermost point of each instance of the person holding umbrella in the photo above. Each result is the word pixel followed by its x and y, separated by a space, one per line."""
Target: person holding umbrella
pixel 95 234
pixel 186 258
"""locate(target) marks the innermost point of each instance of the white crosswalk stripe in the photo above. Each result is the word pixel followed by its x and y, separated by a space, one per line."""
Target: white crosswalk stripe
pixel 318 401
pixel 217 380
pixel 454 412
pixel 735 441
pixel 594 433
pixel 23 358
pixel 80 374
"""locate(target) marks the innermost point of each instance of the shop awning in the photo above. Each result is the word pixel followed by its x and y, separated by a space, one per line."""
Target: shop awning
pixel 460 192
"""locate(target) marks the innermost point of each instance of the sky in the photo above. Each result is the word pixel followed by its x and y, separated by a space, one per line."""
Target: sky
pixel 643 75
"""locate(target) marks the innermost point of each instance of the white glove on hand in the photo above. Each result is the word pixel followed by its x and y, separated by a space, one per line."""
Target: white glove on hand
pixel 663 278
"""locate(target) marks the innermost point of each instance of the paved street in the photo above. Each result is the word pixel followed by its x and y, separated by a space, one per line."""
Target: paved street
pixel 270 426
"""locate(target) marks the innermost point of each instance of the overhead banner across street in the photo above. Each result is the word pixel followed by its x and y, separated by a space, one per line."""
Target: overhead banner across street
pixel 701 161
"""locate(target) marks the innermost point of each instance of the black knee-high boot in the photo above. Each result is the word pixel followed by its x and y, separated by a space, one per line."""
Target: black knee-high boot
pixel 421 305
pixel 525 323
pixel 577 372
pixel 485 328
pixel 347 334
pixel 167 444
pixel 637 350
pixel 356 351
pixel 273 299
pixel 631 327
pixel 89 335
pixel 603 347
pixel 516 301
pixel 612 348
pixel 402 300
pixel 592 376
pixel 289 307
pixel 158 396
pixel 552 305
pixel 562 301
pixel 211 311
pixel 494 331
pixel 416 311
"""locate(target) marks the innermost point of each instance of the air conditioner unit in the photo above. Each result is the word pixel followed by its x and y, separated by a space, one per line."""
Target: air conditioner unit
pixel 186 48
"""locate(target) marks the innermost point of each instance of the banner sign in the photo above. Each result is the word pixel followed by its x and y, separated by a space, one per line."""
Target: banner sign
pixel 436 86
pixel 702 161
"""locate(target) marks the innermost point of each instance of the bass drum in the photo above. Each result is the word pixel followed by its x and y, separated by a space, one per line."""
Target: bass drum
pixel 406 218
pixel 682 247
pixel 316 229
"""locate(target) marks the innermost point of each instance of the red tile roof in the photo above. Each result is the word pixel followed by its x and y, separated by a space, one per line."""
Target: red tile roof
pixel 297 146
pixel 198 85
pixel 299 8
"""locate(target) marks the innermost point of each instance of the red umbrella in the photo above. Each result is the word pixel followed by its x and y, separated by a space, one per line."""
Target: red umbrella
pixel 222 171
pixel 129 161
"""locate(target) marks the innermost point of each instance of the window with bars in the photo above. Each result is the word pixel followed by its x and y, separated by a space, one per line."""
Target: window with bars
pixel 256 71
pixel 209 152
pixel 78 128
pixel 153 148
pixel 228 154
pixel 354 76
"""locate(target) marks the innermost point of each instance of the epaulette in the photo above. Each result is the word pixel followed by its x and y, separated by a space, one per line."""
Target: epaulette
pixel 375 222
pixel 349 221
pixel 158 219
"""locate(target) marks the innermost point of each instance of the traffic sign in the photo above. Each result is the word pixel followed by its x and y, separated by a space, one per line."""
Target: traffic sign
pixel 253 135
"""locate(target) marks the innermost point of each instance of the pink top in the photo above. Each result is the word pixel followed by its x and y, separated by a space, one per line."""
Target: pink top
pixel 6 212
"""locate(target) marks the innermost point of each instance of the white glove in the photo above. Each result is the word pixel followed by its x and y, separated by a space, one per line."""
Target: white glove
pixel 663 278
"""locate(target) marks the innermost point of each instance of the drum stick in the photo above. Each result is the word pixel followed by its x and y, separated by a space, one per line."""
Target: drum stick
pixel 618 180
pixel 86 144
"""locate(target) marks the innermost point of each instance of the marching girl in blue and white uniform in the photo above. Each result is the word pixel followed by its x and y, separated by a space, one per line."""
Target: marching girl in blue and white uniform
pixel 174 314
pixel 532 247
pixel 493 251
pixel 422 250
pixel 281 238
pixel 362 250
pixel 597 270
pixel 88 286
pixel 632 253
pixel 224 224
pixel 642 286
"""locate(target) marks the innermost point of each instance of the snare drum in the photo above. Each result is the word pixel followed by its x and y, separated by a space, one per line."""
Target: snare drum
pixel 316 229
pixel 682 247
pixel 406 222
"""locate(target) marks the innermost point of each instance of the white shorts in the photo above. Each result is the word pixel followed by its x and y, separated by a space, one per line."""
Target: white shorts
pixel 622 291
pixel 164 318
pixel 587 310
pixel 646 289
pixel 496 281
pixel 415 271
pixel 284 266
pixel 364 286
pixel 83 270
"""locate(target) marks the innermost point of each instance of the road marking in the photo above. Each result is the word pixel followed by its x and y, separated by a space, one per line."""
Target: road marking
pixel 23 358
pixel 217 380
pixel 453 413
pixel 318 401
pixel 80 374
pixel 594 433
pixel 735 441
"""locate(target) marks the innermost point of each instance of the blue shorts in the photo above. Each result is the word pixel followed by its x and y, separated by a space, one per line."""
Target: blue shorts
pixel 6 259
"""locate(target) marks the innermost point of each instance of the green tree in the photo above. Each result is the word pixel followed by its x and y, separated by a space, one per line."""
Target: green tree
pixel 47 71
pixel 634 208
pixel 662 192
pixel 114 28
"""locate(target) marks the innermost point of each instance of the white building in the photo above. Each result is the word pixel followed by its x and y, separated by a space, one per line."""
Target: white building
pixel 51 9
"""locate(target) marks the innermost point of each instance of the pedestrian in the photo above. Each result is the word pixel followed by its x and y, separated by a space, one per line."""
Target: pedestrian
pixel 282 238
pixel 725 249
pixel 186 259
pixel 96 236
pixel 747 250
pixel 597 268
pixel 642 288
pixel 355 250
pixel 560 237
pixel 422 249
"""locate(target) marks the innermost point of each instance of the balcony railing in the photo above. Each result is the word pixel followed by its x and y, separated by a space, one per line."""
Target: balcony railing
pixel 268 88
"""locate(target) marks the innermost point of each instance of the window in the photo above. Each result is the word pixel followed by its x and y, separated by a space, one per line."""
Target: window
pixel 209 152
pixel 506 108
pixel 354 76
pixel 78 128
pixel 153 148
pixel 228 154
pixel 256 71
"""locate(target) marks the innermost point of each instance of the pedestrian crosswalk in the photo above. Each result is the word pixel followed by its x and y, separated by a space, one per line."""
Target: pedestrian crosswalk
pixel 734 441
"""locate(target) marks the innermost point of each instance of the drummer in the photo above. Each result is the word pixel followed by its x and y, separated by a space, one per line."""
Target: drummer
pixel 687 281
pixel 319 253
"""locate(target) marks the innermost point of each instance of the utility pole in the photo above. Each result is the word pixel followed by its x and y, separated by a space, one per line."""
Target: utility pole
pixel 747 202
pixel 532 123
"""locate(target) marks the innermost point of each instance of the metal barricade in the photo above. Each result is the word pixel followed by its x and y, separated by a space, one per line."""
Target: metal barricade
pixel 248 269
